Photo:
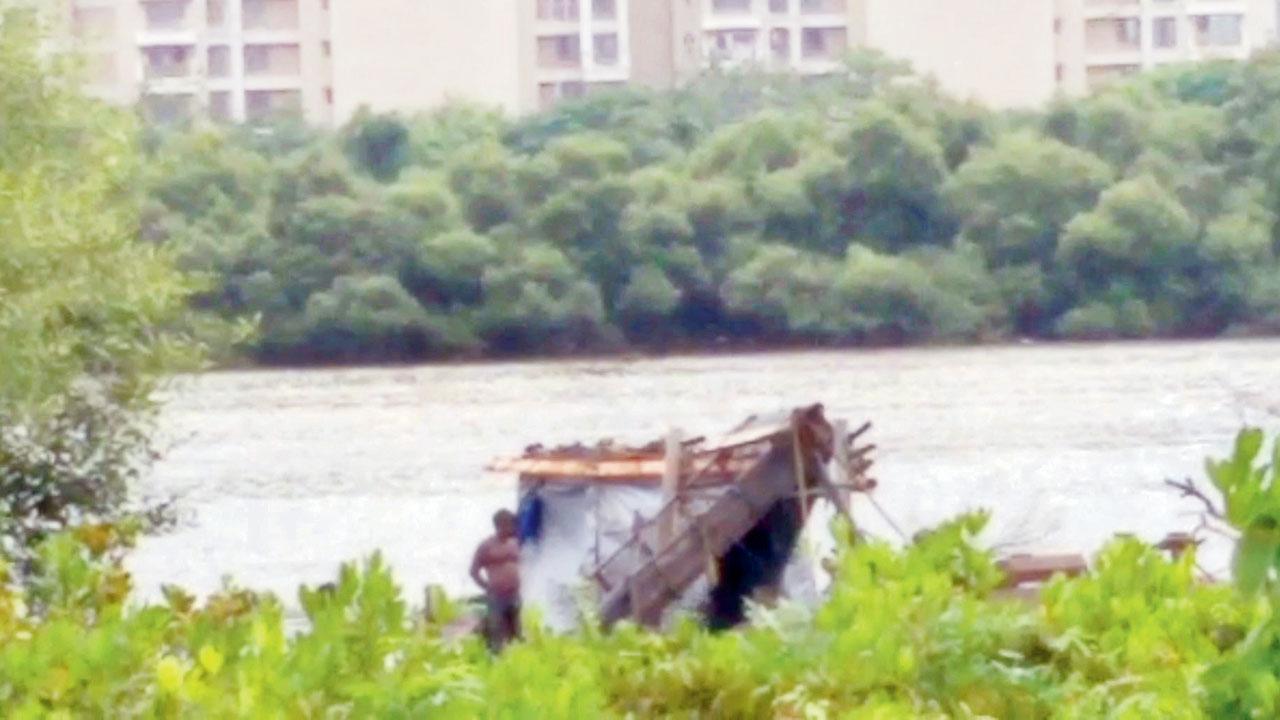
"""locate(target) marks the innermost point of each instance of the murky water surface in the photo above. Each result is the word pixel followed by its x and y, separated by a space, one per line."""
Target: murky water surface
pixel 285 474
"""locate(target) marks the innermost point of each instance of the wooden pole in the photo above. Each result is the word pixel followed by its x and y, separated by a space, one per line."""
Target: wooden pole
pixel 844 475
pixel 797 452
pixel 674 457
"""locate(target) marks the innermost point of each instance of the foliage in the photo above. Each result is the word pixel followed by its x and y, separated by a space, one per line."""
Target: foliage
pixel 91 319
pixel 749 208
pixel 922 631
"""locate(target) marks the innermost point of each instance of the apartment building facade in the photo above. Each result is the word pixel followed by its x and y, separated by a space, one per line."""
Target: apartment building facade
pixel 234 60
pixel 1097 41
pixel 242 60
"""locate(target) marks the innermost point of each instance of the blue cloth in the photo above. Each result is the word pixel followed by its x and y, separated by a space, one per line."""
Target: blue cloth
pixel 529 518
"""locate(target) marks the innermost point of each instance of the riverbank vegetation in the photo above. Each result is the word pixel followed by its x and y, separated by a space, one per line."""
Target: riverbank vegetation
pixel 91 319
pixel 744 210
pixel 914 633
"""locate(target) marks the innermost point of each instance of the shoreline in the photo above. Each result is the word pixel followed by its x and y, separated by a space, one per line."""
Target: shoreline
pixel 714 351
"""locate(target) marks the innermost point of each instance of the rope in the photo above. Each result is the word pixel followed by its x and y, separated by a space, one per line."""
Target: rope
pixel 888 519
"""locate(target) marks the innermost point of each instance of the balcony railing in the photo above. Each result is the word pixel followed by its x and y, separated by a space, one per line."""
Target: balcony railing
pixel 166 15
pixel 604 9
pixel 824 43
pixel 559 10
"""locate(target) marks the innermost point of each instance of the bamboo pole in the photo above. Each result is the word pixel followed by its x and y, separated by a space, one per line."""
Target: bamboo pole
pixel 844 476
pixel 798 455
pixel 674 457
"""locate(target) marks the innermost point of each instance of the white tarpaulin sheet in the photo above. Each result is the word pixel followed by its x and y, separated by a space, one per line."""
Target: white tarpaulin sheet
pixel 583 525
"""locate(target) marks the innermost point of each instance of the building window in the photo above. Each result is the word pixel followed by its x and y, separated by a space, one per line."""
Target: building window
pixel 1113 34
pixel 823 43
pixel 1059 73
pixel 220 106
pixel 606 49
pixel 573 89
pixel 731 7
pixel 823 7
pixel 559 51
pixel 1165 32
pixel 219 61
pixel 1219 30
pixel 731 46
pixel 558 10
pixel 166 61
pixel 1129 32
pixel 165 14
pixel 270 14
pixel 328 96
pixel 604 9
pixel 272 60
pixel 778 7
pixel 216 13
pixel 326 48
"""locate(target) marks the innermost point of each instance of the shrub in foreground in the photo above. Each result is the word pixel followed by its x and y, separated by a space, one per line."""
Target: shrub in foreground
pixel 910 633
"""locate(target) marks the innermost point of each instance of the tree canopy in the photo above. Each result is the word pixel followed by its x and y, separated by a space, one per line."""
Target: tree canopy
pixel 91 317
pixel 862 207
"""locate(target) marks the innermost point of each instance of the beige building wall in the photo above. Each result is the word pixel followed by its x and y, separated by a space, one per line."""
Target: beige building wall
pixel 1000 52
pixel 416 55
pixel 655 46
pixel 105 36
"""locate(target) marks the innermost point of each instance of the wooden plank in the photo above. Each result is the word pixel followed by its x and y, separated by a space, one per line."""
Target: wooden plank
pixel 1021 569
pixel 656 583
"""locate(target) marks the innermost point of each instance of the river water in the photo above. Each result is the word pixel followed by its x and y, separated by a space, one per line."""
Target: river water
pixel 283 475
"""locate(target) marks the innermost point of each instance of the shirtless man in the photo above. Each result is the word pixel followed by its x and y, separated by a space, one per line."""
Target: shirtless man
pixel 496 569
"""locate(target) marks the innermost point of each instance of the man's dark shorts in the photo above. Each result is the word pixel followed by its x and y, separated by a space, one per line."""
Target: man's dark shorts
pixel 503 620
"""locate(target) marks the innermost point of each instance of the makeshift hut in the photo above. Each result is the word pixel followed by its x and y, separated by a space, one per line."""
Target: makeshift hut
pixel 701 524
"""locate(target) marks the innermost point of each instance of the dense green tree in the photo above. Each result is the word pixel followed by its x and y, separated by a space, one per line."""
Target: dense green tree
pixel 896 299
pixel 1138 244
pixel 1014 197
pixel 537 302
pixel 91 318
pixel 861 206
pixel 378 144
pixel 896 169
pixel 647 303
pixel 783 290
pixel 454 264
pixel 371 317
pixel 483 177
